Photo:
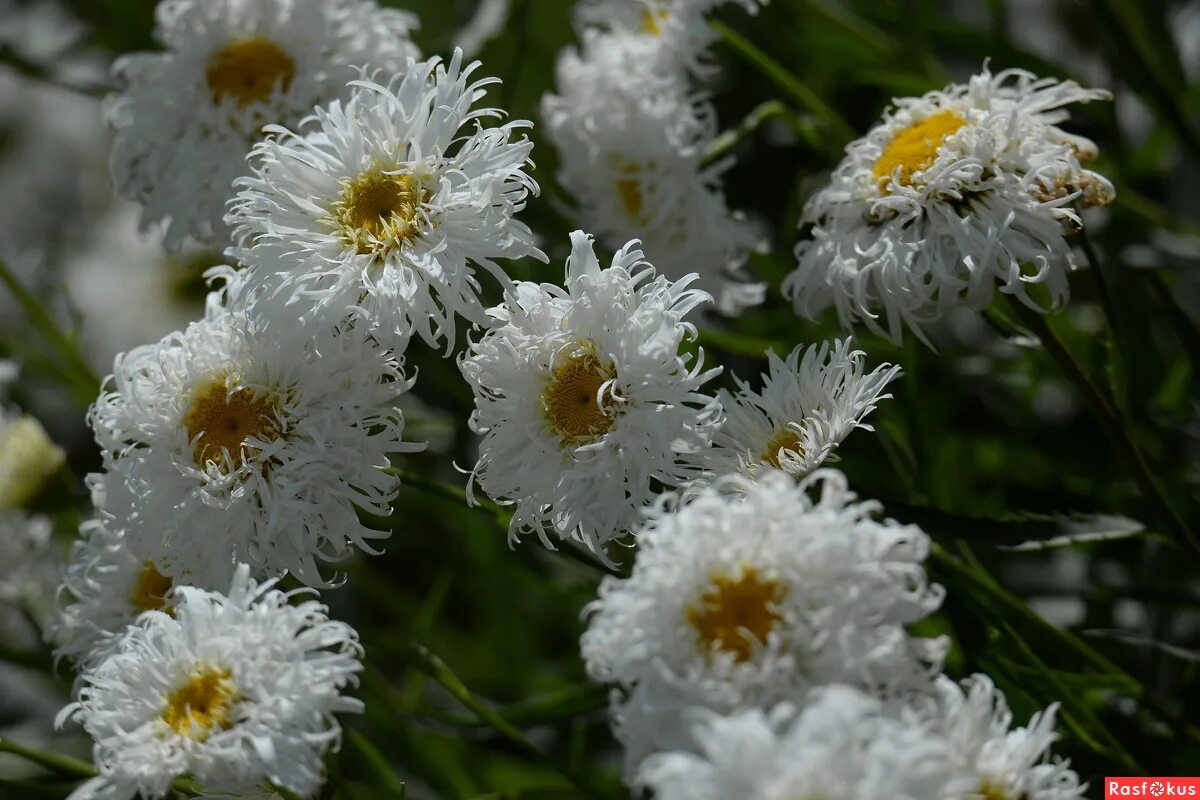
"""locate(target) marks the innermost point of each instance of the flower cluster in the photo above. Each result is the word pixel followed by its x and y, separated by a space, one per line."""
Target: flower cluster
pixel 186 117
pixel 847 744
pixel 587 405
pixel 634 129
pixel 258 441
pixel 762 646
pixel 760 650
pixel 231 688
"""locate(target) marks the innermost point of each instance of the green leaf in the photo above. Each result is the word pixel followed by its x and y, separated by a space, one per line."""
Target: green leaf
pixel 789 82
pixel 552 707
pixel 433 666
pixel 1020 531
pixel 79 373
pixel 383 778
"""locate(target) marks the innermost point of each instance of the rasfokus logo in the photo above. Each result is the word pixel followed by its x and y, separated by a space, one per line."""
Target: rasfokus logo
pixel 1151 787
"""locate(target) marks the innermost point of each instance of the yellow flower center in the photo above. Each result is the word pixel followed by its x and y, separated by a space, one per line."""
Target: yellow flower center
pixel 785 439
pixel 651 20
pixel 735 614
pixel 150 589
pixel 990 791
pixel 378 210
pixel 915 148
pixel 631 188
pixel 630 192
pixel 571 399
pixel 225 420
pixel 201 704
pixel 248 69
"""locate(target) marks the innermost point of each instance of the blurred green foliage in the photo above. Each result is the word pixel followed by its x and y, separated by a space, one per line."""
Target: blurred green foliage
pixel 992 440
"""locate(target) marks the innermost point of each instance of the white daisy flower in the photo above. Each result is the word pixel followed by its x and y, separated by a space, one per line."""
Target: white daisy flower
pixel 1000 762
pixel 227 443
pixel 230 690
pixel 615 81
pixel 678 27
pixel 185 118
pixel 583 398
pixel 809 403
pixel 632 147
pixel 386 203
pixel 104 590
pixel 955 193
pixel 840 746
pixel 751 594
pixel 28 458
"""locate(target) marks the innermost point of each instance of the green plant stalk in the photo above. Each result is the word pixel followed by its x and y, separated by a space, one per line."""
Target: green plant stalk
pixel 74 768
pixel 435 487
pixel 535 711
pixel 286 794
pixel 30 659
pixel 1074 707
pixel 1125 23
pixel 55 762
pixel 434 667
pixel 856 26
pixel 386 779
pixel 1112 425
pixel 1141 206
pixel 10 787
pixel 942 560
pixel 83 378
pixel 418 758
pixel 729 139
pixel 798 90
pixel 1077 711
pixel 1185 328
pixel 740 344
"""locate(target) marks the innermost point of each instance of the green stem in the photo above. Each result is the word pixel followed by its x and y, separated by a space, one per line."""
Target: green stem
pixel 1138 204
pixel 535 711
pixel 286 794
pixel 508 89
pixel 1073 707
pixel 30 659
pixel 1185 327
pixel 740 344
pixel 418 481
pixel 84 379
pixel 1093 259
pixel 74 768
pixel 10 787
pixel 758 115
pixel 856 26
pixel 1141 51
pixel 1113 426
pixel 982 587
pixel 800 92
pixel 55 762
pixel 385 777
pixel 501 515
pixel 434 667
